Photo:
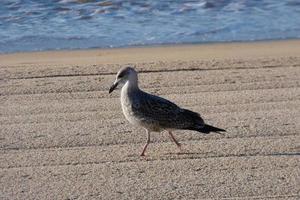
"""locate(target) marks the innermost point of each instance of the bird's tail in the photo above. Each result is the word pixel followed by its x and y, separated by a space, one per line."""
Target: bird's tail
pixel 208 128
pixel 198 123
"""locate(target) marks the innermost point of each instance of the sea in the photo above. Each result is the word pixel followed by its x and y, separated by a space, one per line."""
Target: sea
pixel 39 25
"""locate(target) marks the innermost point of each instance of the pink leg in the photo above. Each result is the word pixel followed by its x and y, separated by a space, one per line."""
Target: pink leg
pixel 145 146
pixel 174 140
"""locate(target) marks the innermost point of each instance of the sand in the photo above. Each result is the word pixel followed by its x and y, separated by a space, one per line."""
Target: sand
pixel 63 136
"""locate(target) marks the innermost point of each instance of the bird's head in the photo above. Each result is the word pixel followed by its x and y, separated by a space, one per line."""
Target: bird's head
pixel 125 74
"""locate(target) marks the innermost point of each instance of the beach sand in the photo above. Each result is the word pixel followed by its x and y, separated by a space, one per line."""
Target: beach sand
pixel 63 136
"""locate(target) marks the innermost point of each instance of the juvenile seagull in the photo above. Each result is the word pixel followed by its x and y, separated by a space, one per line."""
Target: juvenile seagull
pixel 155 113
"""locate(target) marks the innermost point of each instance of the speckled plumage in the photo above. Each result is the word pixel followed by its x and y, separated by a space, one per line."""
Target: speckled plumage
pixel 155 113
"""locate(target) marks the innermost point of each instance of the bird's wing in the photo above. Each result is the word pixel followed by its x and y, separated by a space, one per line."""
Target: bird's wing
pixel 161 111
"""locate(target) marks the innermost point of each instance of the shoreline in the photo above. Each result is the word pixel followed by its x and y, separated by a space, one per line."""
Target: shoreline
pixel 155 45
pixel 183 52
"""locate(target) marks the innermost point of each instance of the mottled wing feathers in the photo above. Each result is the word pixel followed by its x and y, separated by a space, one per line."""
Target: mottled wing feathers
pixel 195 118
pixel 154 109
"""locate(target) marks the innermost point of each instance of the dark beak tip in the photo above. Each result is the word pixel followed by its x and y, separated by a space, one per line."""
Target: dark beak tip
pixel 112 88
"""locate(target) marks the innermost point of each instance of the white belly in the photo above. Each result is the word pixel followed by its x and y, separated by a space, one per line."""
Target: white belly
pixel 129 115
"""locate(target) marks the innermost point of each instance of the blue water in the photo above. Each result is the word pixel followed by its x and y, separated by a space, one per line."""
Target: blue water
pixel 36 25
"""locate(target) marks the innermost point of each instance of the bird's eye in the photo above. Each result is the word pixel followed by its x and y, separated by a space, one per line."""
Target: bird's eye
pixel 121 75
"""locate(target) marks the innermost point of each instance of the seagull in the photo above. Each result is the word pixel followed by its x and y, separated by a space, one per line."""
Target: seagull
pixel 154 113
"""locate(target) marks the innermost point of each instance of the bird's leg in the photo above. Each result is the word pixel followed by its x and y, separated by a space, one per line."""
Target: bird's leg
pixel 145 146
pixel 174 140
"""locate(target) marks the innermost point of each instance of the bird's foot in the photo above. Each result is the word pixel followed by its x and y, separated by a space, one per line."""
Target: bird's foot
pixel 180 148
pixel 142 154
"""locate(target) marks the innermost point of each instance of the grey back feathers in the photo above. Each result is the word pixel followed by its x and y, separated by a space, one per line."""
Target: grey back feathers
pixel 164 113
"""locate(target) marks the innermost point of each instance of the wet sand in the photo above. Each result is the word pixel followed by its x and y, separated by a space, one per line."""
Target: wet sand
pixel 63 136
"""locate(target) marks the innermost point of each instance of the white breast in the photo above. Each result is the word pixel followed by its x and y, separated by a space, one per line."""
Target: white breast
pixel 126 103
pixel 129 99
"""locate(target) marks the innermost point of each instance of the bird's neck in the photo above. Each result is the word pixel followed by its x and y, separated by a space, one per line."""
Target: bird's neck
pixel 131 86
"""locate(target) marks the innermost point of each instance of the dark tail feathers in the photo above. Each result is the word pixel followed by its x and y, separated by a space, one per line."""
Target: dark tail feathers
pixel 209 128
pixel 198 123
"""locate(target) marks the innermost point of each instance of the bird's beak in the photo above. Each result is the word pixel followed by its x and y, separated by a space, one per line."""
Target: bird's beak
pixel 113 87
